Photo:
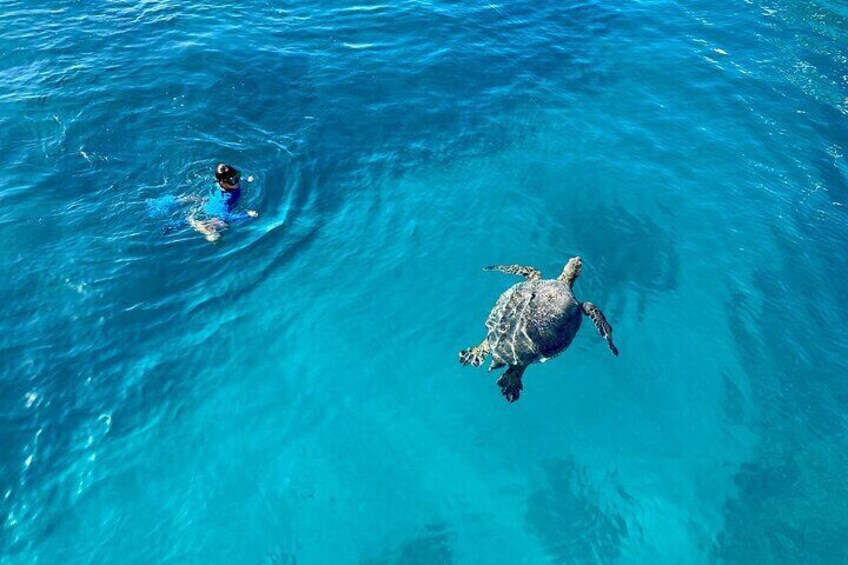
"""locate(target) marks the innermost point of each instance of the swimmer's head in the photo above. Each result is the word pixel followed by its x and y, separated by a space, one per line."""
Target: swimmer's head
pixel 227 176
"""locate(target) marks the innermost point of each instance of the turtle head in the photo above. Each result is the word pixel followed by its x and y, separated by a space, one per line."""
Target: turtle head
pixel 571 270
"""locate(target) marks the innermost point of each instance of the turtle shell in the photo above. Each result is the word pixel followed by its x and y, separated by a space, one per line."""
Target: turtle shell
pixel 533 321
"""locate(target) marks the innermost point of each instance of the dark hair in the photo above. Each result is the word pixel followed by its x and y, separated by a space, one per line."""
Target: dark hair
pixel 228 174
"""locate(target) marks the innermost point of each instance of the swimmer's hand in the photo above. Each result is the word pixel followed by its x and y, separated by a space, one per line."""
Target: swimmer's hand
pixel 253 213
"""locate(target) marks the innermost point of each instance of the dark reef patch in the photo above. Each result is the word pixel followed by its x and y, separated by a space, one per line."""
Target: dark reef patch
pixel 569 520
pixel 791 502
pixel 434 546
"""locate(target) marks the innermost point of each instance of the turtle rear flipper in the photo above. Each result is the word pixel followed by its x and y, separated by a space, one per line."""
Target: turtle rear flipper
pixel 601 323
pixel 474 356
pixel 529 273
pixel 510 382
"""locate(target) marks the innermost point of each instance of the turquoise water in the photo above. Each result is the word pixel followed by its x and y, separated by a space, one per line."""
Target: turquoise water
pixel 291 394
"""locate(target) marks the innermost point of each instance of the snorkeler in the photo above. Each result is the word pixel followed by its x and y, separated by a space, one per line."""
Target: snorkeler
pixel 219 212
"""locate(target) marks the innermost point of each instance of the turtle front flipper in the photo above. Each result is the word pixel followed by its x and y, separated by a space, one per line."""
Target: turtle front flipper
pixel 474 356
pixel 529 273
pixel 601 323
pixel 510 382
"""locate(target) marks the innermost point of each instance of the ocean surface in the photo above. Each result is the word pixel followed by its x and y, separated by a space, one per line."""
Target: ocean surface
pixel 291 393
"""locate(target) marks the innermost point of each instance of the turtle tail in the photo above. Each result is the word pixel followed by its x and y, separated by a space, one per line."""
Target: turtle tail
pixel 601 323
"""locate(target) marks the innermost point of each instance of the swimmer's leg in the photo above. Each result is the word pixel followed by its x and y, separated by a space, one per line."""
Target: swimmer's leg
pixel 210 229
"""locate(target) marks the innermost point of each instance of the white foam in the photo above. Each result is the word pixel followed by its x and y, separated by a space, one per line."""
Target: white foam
pixel 359 45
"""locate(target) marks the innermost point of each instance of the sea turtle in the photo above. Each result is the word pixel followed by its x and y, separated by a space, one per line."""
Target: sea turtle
pixel 533 321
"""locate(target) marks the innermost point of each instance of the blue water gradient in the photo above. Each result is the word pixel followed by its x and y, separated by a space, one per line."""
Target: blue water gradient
pixel 291 394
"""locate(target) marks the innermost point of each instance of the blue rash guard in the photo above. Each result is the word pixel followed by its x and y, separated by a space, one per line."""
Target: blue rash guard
pixel 222 205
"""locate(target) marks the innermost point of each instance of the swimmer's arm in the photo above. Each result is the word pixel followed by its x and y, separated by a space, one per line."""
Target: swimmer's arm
pixel 189 198
pixel 242 216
